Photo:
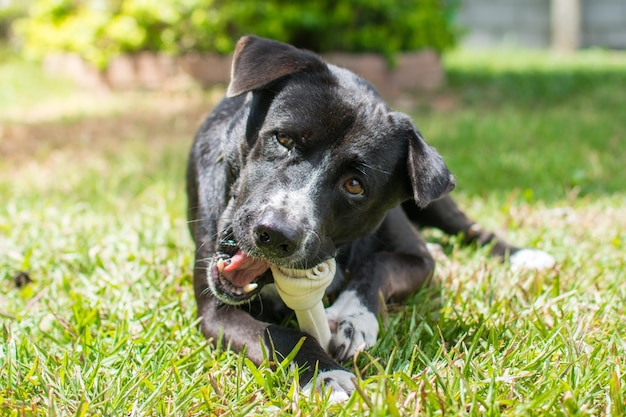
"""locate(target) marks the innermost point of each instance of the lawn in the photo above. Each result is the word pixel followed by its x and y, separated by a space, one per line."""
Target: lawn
pixel 93 209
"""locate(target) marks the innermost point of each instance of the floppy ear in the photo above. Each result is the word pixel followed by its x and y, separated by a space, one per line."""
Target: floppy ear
pixel 258 61
pixel 430 178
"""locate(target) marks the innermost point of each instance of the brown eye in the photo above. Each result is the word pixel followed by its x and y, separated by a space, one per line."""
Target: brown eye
pixel 353 187
pixel 284 140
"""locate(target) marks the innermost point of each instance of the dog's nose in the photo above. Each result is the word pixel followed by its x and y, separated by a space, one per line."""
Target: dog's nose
pixel 275 238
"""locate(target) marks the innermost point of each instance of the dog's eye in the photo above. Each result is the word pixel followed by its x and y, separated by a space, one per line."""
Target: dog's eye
pixel 353 187
pixel 284 140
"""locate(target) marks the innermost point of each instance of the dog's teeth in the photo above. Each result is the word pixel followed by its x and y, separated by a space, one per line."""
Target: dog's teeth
pixel 251 286
pixel 220 265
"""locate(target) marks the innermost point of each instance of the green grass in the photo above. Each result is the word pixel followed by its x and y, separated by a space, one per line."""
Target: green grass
pixel 22 84
pixel 93 208
pixel 548 125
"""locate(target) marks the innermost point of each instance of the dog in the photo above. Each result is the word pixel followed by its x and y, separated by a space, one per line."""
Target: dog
pixel 301 162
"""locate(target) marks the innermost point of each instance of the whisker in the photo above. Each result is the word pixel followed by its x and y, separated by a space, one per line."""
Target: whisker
pixel 203 219
pixel 373 169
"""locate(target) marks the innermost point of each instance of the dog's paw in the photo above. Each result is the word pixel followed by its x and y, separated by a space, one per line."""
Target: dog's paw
pixel 531 259
pixel 339 382
pixel 353 327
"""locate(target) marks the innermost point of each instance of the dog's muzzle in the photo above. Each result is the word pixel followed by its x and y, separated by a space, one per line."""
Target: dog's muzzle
pixel 234 276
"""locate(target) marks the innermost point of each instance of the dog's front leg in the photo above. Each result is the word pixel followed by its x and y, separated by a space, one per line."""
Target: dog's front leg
pixel 353 316
pixel 239 330
pixel 391 264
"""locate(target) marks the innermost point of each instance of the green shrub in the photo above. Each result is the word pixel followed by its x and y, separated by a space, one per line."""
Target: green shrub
pixel 100 30
pixel 8 14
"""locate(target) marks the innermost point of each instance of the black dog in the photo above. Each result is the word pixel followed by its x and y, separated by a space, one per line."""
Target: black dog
pixel 302 162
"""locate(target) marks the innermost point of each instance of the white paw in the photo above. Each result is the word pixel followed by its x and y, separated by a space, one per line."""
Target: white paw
pixel 353 327
pixel 532 259
pixel 339 382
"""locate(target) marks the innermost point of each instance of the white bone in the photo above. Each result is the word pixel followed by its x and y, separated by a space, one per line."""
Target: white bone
pixel 302 290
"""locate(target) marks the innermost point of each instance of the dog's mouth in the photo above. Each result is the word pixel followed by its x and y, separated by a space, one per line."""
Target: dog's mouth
pixel 235 276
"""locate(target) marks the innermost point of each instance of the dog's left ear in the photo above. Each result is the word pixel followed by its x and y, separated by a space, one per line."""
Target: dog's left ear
pixel 259 61
pixel 429 175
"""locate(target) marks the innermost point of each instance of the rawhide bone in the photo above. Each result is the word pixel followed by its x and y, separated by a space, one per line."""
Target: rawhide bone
pixel 302 290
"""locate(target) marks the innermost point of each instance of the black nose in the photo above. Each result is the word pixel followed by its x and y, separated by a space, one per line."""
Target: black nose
pixel 275 237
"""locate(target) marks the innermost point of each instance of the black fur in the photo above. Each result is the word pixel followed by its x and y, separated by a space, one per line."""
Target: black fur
pixel 303 161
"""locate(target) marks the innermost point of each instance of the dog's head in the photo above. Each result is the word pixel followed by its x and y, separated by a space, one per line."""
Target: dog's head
pixel 317 160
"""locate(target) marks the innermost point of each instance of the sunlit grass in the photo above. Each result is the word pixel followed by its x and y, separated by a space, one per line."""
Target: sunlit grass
pixel 93 208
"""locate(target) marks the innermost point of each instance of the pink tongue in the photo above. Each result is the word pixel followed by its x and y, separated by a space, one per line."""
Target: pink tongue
pixel 244 269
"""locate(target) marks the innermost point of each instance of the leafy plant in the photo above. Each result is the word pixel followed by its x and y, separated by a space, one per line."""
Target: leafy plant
pixel 8 14
pixel 100 30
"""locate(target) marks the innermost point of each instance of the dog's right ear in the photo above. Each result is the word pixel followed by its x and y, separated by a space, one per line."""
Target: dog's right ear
pixel 258 61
